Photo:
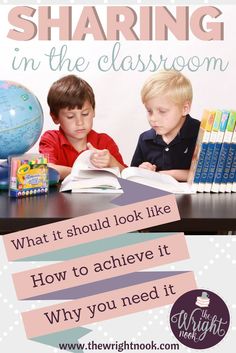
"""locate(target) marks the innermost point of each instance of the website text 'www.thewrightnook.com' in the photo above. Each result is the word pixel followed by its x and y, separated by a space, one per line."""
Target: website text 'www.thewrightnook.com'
pixel 120 346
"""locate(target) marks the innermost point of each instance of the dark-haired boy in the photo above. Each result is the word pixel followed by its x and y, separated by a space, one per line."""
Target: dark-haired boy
pixel 72 106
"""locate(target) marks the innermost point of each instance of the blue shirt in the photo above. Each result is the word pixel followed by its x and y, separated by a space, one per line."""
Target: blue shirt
pixel 175 155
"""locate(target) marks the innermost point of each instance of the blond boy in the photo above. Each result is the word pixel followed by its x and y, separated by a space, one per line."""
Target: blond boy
pixel 169 145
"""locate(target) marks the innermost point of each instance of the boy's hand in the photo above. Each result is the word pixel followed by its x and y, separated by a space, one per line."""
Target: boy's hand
pixel 99 158
pixel 148 166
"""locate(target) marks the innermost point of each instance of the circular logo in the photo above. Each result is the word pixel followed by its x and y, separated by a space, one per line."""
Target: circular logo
pixel 199 319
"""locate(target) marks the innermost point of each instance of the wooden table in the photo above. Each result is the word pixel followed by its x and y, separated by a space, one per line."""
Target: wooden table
pixel 200 213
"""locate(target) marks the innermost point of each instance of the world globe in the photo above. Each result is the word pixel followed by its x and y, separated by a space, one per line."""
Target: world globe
pixel 21 119
pixel 21 123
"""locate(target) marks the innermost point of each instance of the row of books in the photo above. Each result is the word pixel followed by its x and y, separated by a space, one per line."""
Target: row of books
pixel 213 167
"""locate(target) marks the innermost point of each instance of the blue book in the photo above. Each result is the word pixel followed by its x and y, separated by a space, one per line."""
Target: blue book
pixel 200 149
pixel 223 156
pixel 232 172
pixel 216 151
pixel 210 147
pixel 227 178
pixel 234 183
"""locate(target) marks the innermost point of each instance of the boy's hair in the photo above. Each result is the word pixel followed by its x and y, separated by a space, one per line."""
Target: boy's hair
pixel 69 92
pixel 169 83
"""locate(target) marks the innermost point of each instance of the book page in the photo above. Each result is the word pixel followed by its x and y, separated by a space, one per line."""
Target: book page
pixel 157 180
pixel 83 163
pixel 104 180
pixel 107 182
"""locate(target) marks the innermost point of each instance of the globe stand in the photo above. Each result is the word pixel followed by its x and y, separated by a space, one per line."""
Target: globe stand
pixel 53 175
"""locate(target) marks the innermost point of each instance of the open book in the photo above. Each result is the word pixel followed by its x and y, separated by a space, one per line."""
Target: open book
pixel 86 178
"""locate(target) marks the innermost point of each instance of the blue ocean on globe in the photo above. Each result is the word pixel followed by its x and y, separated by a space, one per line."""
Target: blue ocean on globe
pixel 21 119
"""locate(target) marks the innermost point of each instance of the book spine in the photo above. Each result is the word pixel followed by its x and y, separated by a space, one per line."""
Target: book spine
pixel 232 173
pixel 199 152
pixel 200 163
pixel 212 167
pixel 205 165
pixel 218 178
pixel 226 183
pixel 216 150
pixel 220 167
pixel 210 149
pixel 234 182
